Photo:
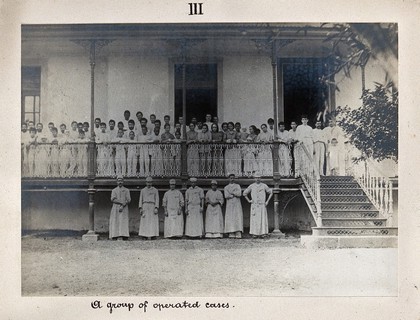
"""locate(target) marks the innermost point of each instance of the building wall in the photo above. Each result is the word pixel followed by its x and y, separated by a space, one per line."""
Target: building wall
pixel 247 90
pixel 43 210
pixel 138 84
pixel 65 89
pixel 55 210
pixel 351 88
pixel 138 80
pixel 146 84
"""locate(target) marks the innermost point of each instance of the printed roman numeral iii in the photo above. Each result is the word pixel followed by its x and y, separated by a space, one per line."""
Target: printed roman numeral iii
pixel 195 8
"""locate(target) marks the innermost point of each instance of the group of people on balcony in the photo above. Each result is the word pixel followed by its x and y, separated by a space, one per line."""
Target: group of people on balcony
pixel 132 150
pixel 194 225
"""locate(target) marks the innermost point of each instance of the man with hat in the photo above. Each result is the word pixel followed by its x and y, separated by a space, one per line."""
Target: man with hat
pixel 148 206
pixel 214 216
pixel 234 224
pixel 118 220
pixel 194 199
pixel 258 225
pixel 173 203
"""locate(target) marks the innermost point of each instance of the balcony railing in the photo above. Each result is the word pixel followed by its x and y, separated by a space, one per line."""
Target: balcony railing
pixel 46 160
pixel 308 171
pixel 135 159
pixel 376 183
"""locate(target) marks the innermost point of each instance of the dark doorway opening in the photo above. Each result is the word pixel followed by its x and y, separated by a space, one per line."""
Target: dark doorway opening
pixel 201 90
pixel 304 91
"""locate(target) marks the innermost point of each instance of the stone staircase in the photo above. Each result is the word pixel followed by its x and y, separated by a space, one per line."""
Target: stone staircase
pixel 349 219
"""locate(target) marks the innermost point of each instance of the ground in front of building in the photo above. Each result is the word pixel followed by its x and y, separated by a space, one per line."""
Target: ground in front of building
pixel 66 266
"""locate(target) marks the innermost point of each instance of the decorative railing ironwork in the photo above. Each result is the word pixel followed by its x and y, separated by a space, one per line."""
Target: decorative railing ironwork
pixel 378 188
pixel 307 170
pixel 285 151
pixel 54 160
pixel 135 159
pixel 221 159
pixel 374 182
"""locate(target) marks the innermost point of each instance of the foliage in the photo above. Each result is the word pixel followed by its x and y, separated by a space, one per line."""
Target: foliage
pixel 354 44
pixel 373 127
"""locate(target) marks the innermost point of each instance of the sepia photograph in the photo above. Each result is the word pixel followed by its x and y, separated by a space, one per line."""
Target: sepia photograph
pixel 209 159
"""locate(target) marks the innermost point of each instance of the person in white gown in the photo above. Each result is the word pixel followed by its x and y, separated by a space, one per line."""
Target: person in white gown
pixel 149 206
pixel 214 215
pixel 173 204
pixel 258 217
pixel 234 225
pixel 304 134
pixel 320 141
pixel 118 220
pixel 194 201
pixel 285 159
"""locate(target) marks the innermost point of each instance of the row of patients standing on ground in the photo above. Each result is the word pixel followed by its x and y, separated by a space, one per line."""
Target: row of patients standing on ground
pixel 214 225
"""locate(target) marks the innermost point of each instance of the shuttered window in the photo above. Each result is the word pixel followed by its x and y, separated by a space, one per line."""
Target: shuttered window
pixel 31 91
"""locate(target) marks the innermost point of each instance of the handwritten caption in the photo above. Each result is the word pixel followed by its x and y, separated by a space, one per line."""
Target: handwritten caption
pixel 143 306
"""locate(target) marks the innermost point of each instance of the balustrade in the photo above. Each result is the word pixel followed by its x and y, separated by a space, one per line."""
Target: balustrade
pixel 374 182
pixel 135 159
pixel 49 160
pixel 308 171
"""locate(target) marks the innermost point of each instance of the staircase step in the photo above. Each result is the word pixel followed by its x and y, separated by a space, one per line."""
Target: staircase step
pixel 345 199
pixel 344 192
pixel 355 231
pixel 334 186
pixel 353 222
pixel 336 178
pixel 350 214
pixel 349 206
pixel 338 242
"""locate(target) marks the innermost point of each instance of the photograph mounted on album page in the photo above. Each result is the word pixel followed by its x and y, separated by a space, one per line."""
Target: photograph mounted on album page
pixel 201 160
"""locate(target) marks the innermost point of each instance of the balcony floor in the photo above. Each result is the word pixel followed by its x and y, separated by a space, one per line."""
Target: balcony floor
pixel 104 184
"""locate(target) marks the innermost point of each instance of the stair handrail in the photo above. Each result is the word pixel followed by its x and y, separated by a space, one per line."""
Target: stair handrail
pixel 306 169
pixel 377 186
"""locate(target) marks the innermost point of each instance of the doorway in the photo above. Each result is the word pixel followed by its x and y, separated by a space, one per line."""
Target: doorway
pixel 304 92
pixel 201 90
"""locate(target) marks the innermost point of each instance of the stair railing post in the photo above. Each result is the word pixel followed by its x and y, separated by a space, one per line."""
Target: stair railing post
pixel 390 205
pixel 386 197
pixel 381 194
pixel 318 201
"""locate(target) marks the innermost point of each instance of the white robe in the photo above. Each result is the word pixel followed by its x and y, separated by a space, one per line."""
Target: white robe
pixel 173 201
pixel 233 214
pixel 258 217
pixel 285 159
pixel 148 201
pixel 118 220
pixel 194 226
pixel 320 141
pixel 304 133
pixel 214 216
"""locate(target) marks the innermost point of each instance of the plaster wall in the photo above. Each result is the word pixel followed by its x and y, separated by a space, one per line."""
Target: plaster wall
pixel 350 89
pixel 65 89
pixel 138 84
pixel 69 211
pixel 247 90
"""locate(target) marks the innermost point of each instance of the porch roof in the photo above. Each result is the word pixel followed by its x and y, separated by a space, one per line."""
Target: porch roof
pixel 176 30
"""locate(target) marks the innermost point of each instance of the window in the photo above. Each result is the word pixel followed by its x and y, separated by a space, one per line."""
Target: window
pixel 31 90
pixel 201 90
